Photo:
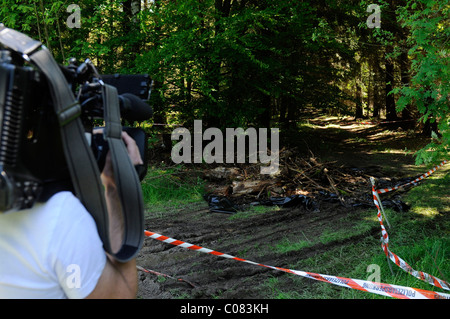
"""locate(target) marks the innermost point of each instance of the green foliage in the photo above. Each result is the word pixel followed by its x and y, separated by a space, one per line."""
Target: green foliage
pixel 236 63
pixel 429 88
pixel 258 63
pixel 230 63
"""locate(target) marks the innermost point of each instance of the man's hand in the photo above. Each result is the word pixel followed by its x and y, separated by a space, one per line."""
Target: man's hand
pixel 133 152
pixel 132 148
pixel 118 280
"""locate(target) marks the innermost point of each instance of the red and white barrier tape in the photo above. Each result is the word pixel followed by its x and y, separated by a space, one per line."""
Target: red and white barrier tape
pixel 399 261
pixel 385 237
pixel 363 285
pixel 431 171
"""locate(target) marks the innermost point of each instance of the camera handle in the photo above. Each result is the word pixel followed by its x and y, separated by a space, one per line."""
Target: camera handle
pixel 80 159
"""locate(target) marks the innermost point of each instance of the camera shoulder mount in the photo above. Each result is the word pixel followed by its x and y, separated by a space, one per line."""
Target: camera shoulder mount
pixel 84 171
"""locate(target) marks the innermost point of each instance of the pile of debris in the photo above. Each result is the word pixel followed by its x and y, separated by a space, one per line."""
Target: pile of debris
pixel 297 178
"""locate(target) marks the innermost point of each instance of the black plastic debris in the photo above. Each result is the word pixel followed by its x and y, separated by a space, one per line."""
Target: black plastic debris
pixel 289 201
pixel 220 204
pixel 396 204
pixel 329 197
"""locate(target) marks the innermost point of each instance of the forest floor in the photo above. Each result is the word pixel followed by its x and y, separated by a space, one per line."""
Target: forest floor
pixel 328 154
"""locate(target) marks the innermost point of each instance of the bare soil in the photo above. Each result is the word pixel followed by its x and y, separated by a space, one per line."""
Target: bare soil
pixel 350 153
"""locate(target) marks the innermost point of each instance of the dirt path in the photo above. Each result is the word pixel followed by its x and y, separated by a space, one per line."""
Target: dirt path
pixel 254 236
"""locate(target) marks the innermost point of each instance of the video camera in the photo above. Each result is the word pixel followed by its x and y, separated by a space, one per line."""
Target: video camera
pixel 27 115
pixel 48 113
pixel 134 92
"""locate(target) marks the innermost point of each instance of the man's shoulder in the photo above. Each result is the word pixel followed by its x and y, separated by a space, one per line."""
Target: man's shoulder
pixel 63 196
pixel 64 201
pixel 65 210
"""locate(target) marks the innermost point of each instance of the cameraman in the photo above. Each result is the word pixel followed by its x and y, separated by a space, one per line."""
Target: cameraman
pixel 53 250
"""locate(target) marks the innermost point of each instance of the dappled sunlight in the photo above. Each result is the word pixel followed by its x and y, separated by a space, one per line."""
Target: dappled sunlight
pixel 361 145
pixel 432 198
pixel 430 212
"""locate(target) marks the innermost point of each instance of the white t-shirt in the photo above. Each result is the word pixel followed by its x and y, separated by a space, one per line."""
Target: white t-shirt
pixel 51 251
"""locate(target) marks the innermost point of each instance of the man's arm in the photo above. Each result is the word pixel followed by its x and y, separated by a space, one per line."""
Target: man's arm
pixel 118 280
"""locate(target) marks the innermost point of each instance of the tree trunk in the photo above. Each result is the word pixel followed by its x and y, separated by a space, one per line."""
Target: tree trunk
pixel 130 24
pixel 378 88
pixel 391 114
pixel 358 97
pixel 370 85
pixel 266 115
pixel 405 66
pixel 222 8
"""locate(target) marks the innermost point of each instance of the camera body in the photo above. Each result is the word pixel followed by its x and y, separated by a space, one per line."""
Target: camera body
pixel 32 161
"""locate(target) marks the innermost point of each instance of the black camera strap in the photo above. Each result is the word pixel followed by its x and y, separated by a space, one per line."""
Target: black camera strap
pixel 125 174
pixel 80 160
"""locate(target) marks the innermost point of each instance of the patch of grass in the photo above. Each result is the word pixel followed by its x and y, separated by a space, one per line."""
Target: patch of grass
pixel 433 196
pixel 168 189
pixel 361 228
pixel 252 211
pixel 273 286
pixel 286 245
pixel 341 231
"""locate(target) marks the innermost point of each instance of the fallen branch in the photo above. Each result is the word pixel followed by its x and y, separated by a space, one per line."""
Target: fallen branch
pixel 341 198
pixel 164 275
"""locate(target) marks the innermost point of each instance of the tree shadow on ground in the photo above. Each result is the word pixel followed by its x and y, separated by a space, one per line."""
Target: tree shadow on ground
pixel 350 143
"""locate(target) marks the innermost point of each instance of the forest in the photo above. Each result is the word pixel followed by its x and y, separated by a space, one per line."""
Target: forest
pixel 359 90
pixel 248 63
